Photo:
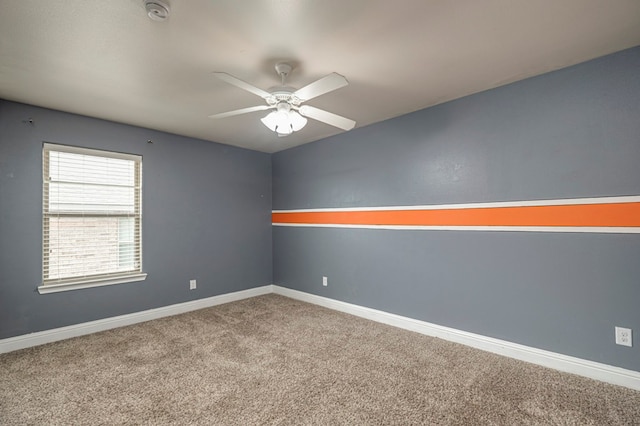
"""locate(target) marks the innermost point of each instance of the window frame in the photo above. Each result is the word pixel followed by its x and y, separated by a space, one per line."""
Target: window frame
pixel 94 280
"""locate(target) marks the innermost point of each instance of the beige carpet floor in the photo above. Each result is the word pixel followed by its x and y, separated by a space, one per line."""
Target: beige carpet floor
pixel 271 360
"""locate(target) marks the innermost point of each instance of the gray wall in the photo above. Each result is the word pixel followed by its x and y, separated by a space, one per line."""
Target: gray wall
pixel 570 133
pixel 567 134
pixel 206 215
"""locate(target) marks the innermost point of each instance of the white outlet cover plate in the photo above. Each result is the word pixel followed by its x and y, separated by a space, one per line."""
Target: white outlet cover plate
pixel 192 284
pixel 624 336
pixel 324 281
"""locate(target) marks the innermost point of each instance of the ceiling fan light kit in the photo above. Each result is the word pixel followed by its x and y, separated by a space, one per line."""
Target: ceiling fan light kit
pixel 283 120
pixel 288 115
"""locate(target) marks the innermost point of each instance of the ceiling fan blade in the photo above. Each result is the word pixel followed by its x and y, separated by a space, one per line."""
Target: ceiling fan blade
pixel 326 84
pixel 242 84
pixel 240 111
pixel 327 117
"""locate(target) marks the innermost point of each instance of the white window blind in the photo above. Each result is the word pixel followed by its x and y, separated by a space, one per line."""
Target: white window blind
pixel 91 215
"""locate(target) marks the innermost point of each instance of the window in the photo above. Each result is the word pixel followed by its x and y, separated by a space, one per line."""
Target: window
pixel 91 218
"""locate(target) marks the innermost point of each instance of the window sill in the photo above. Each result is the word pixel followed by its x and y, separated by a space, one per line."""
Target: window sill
pixel 89 283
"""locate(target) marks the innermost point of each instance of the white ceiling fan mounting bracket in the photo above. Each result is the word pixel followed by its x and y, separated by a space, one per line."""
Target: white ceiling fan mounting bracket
pixel 283 69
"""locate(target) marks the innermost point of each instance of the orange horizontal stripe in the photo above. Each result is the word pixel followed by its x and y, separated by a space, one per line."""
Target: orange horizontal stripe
pixel 585 215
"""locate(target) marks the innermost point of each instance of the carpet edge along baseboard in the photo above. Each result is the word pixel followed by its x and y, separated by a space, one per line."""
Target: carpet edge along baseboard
pixel 594 370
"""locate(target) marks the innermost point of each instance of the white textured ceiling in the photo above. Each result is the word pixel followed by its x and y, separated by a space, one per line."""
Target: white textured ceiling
pixel 107 59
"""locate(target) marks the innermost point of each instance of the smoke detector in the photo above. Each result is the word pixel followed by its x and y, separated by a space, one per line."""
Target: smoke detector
pixel 157 10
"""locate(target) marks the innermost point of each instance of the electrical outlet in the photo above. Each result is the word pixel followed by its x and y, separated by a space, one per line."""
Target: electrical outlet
pixel 325 281
pixel 623 336
pixel 192 284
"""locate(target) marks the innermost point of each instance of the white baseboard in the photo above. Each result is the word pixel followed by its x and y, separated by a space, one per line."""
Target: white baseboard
pixel 594 370
pixel 56 334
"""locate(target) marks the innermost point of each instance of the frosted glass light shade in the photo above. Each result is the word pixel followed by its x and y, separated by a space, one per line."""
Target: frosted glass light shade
pixel 271 120
pixel 297 121
pixel 284 121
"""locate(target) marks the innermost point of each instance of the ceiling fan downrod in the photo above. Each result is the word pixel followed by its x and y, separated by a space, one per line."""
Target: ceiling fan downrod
pixel 283 69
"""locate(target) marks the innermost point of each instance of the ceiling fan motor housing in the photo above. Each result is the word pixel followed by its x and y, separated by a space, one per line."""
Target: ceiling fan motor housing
pixel 282 94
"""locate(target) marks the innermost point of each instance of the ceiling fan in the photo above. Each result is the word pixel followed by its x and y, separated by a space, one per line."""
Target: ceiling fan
pixel 288 115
